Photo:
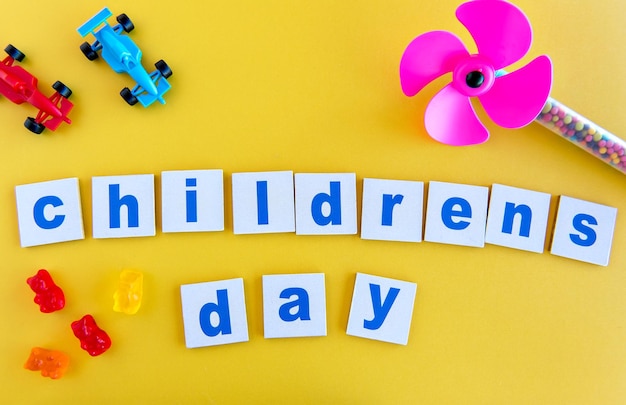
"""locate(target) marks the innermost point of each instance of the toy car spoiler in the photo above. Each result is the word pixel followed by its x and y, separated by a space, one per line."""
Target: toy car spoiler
pixel 94 22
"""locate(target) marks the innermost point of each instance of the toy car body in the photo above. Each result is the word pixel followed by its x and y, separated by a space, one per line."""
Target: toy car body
pixel 19 86
pixel 121 53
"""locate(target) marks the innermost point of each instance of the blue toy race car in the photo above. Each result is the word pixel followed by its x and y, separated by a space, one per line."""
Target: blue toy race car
pixel 121 53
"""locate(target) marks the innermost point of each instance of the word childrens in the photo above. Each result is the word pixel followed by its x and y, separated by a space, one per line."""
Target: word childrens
pixel 317 204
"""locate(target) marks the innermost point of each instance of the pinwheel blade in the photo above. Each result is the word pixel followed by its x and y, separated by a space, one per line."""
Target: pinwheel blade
pixel 427 57
pixel 450 119
pixel 501 30
pixel 517 98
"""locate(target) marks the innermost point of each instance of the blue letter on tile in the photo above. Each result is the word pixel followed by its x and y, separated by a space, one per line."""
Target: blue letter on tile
pixel 389 201
pixel 39 216
pixel 333 200
pixel 262 204
pixel 302 302
pixel 380 310
pixel 192 201
pixel 510 210
pixel 579 224
pixel 447 212
pixel 115 205
pixel 223 314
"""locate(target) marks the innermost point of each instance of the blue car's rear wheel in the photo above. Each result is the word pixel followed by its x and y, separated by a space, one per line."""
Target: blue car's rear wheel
pixel 62 89
pixel 88 51
pixel 125 22
pixel 33 126
pixel 14 53
pixel 163 68
pixel 128 96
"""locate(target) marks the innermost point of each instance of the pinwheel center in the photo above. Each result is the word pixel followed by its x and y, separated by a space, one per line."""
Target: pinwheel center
pixel 474 76
pixel 474 79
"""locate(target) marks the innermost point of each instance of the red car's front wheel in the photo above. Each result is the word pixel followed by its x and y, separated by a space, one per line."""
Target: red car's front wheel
pixel 33 126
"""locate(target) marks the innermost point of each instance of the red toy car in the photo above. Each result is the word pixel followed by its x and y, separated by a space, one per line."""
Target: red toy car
pixel 19 86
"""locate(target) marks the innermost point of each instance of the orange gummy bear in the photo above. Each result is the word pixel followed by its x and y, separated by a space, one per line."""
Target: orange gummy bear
pixel 51 363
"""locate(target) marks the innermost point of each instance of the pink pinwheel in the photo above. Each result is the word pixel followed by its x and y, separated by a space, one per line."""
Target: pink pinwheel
pixel 503 36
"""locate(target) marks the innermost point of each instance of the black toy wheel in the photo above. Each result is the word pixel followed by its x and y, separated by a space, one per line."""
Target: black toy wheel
pixel 163 68
pixel 62 89
pixel 127 24
pixel 33 126
pixel 14 53
pixel 88 51
pixel 128 96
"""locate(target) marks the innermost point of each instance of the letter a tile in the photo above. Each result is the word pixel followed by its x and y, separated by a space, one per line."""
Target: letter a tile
pixel 294 305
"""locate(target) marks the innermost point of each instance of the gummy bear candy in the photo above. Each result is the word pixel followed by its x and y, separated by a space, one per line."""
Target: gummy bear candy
pixel 51 363
pixel 127 298
pixel 47 294
pixel 93 340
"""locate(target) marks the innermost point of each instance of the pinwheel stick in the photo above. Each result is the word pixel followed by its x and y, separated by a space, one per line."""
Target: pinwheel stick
pixel 584 133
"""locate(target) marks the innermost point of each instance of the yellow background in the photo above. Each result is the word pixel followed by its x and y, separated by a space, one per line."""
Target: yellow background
pixel 312 87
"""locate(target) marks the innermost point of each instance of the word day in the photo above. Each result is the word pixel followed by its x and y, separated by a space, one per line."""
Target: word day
pixel 317 204
pixel 294 305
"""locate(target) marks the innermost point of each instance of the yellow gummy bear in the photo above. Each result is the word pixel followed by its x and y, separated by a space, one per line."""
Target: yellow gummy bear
pixel 127 298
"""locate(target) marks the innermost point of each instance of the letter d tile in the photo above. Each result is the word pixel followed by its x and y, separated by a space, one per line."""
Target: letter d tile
pixel 214 313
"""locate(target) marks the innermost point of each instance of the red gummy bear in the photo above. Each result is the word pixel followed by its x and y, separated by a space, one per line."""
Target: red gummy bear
pixel 92 339
pixel 48 295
